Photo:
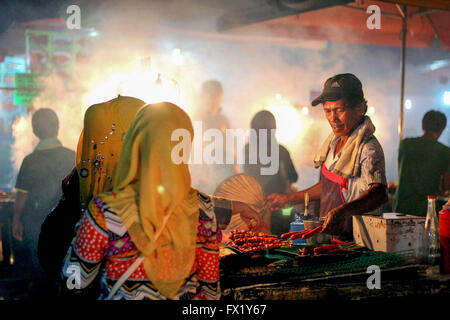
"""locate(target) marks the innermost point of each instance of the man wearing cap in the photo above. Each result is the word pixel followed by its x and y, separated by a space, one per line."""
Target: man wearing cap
pixel 351 161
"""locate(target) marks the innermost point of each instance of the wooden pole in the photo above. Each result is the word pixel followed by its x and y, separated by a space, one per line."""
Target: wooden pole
pixel 402 90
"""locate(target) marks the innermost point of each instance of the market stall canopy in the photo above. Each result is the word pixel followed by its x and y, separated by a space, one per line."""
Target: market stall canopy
pixel 345 21
pixel 412 23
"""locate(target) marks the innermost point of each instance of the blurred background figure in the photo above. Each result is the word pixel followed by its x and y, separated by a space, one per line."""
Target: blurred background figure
pixel 207 177
pixel 211 104
pixel 423 167
pixel 38 191
pixel 281 182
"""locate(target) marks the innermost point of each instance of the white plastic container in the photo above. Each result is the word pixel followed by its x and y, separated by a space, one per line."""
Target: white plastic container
pixel 392 232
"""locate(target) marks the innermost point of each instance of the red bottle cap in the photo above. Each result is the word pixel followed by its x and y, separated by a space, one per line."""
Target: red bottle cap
pixel 431 197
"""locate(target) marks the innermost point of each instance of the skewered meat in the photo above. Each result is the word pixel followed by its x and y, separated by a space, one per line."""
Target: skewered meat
pixel 304 234
pixel 248 241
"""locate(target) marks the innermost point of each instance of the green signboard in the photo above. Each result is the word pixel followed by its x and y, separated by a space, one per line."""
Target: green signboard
pixel 26 88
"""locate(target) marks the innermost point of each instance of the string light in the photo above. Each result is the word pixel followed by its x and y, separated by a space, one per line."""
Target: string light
pixel 446 98
pixel 177 56
pixel 408 104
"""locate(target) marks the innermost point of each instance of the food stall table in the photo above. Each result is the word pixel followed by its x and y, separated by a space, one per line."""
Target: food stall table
pixel 269 276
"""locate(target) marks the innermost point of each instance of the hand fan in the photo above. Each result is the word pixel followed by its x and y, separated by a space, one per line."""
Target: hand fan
pixel 244 188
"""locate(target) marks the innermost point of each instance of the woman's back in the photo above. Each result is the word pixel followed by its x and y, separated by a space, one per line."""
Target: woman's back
pixel 103 248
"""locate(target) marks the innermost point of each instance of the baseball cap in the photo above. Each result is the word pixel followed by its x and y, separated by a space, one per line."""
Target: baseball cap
pixel 345 85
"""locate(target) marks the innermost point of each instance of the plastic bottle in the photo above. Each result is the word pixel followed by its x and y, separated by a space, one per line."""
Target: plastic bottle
pixel 444 236
pixel 432 233
pixel 297 225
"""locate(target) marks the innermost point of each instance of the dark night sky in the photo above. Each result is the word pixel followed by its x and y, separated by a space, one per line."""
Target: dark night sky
pixel 28 10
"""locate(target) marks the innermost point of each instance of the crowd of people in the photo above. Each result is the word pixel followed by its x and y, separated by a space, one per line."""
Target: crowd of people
pixel 119 219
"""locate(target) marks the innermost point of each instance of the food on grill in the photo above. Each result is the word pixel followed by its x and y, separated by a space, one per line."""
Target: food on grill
pixel 288 234
pixel 248 241
pixel 318 250
pixel 341 242
pixel 304 234
pixel 298 235
pixel 327 248
pixel 307 251
pixel 312 232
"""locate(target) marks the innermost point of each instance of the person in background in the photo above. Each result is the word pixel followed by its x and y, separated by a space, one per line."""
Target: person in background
pixel 282 181
pixel 153 224
pixel 353 179
pixel 38 191
pixel 208 176
pixel 423 166
pixel 211 104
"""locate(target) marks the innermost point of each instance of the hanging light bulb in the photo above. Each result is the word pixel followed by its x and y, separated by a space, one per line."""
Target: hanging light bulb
pixel 177 56
pixel 408 104
pixel 446 98
pixel 305 111
pixel 158 81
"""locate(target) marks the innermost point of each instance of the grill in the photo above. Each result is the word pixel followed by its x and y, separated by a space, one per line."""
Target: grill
pixel 282 266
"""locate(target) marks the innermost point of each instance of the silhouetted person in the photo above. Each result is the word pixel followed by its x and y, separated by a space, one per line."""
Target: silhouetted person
pixel 281 181
pixel 38 191
pixel 207 177
pixel 211 103
pixel 422 163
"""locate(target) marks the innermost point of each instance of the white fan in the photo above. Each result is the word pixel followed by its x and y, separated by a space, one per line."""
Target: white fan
pixel 244 188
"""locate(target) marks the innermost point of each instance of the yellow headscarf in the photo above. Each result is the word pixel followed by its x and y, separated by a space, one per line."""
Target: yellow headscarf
pixel 100 144
pixel 154 198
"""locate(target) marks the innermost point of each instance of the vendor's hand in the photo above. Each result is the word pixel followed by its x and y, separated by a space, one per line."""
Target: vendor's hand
pixel 276 201
pixel 335 220
pixel 247 214
pixel 17 230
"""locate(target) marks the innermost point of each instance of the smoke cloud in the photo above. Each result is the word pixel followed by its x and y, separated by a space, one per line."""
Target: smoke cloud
pixel 253 69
